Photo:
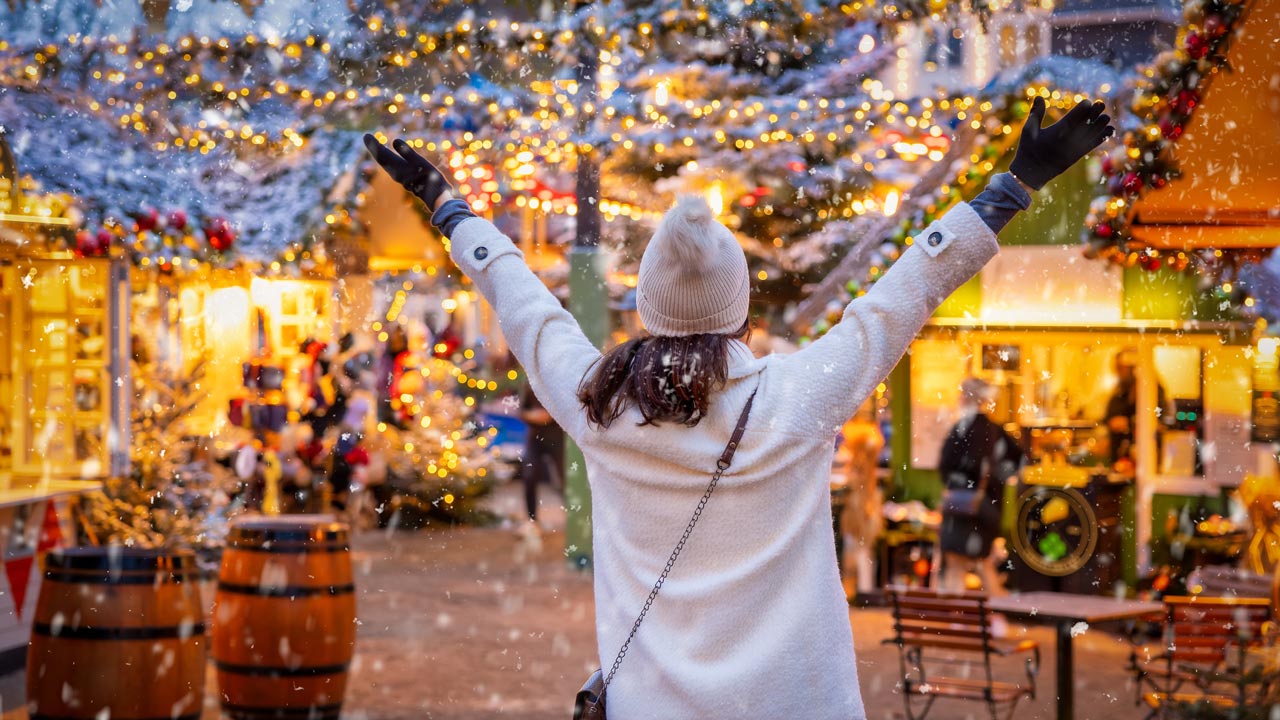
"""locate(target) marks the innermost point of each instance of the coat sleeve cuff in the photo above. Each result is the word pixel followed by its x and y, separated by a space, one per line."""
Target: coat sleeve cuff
pixel 959 222
pixel 476 243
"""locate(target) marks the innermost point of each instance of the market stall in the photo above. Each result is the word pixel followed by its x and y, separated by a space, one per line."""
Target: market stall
pixel 63 420
pixel 1142 387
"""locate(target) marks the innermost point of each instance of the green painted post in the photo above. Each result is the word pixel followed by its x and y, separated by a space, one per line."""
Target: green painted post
pixel 587 302
pixel 900 440
pixel 1129 536
pixel 589 305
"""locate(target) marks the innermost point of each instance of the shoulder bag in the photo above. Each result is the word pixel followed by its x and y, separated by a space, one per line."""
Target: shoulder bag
pixel 590 702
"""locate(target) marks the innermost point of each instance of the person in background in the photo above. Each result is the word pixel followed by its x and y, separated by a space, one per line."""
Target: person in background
pixel 862 520
pixel 390 367
pixel 543 459
pixel 763 342
pixel 1122 410
pixel 978 458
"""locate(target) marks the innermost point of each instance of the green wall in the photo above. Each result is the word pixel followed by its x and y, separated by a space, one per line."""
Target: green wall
pixel 1057 212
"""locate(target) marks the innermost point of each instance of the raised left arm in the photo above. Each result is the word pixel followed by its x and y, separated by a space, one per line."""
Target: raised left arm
pixel 545 338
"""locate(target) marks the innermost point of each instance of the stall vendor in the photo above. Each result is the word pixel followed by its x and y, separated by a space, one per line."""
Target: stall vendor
pixel 1122 407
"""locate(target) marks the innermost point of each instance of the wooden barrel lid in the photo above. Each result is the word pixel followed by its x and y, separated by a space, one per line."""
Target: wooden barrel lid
pixel 319 531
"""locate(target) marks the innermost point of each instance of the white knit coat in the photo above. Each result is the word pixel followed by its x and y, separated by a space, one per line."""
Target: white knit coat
pixel 752 622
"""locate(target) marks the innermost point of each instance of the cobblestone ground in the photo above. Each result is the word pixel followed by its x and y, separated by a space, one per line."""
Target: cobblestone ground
pixel 476 623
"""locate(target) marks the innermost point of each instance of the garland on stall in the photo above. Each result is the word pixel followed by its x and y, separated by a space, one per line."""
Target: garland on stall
pixel 1166 95
pixel 176 242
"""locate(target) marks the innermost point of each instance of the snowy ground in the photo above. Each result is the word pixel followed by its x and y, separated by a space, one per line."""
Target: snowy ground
pixel 479 623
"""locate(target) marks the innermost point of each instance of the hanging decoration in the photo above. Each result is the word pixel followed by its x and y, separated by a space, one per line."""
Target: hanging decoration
pixel 1166 95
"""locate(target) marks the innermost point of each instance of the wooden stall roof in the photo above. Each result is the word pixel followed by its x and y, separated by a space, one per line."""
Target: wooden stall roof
pixel 1229 192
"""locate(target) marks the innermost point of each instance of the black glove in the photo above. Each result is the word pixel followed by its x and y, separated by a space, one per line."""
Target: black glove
pixel 409 169
pixel 1045 153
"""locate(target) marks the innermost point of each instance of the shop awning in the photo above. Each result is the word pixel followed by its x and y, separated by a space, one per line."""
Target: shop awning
pixel 1223 237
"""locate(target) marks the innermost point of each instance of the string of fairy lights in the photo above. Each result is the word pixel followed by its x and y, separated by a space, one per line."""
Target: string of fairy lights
pixel 155 88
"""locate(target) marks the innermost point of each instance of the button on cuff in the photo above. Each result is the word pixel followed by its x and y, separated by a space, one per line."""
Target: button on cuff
pixel 935 239
pixel 480 253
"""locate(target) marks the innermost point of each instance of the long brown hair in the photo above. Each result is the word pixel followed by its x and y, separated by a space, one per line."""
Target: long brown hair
pixel 669 379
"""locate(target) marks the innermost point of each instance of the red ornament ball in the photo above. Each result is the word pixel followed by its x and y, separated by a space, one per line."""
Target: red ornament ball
pixel 221 243
pixel 1185 101
pixel 1104 231
pixel 86 244
pixel 1215 25
pixel 1131 183
pixel 177 220
pixel 148 220
pixel 219 233
pixel 102 242
pixel 1170 128
pixel 1197 45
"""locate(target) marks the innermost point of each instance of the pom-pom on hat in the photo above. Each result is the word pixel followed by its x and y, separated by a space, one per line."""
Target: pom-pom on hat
pixel 693 275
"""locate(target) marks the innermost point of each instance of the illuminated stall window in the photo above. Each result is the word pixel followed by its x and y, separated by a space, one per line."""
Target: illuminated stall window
pixel 62 331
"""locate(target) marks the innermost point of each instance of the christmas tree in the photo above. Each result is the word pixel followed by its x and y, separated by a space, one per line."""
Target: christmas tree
pixel 439 462
pixel 172 497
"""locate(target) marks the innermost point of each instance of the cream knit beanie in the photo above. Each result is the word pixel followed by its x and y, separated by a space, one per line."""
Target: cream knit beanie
pixel 693 275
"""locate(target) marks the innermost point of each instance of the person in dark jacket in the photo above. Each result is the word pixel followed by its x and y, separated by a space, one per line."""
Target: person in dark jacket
pixel 977 459
pixel 543 460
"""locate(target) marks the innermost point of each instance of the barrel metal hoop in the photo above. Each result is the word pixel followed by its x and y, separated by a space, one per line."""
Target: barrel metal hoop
pixel 314 712
pixel 286 591
pixel 67 632
pixel 260 671
pixel 44 716
pixel 92 577
pixel 277 548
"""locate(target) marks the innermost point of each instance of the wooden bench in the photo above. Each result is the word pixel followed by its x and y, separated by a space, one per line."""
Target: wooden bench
pixel 1201 657
pixel 936 630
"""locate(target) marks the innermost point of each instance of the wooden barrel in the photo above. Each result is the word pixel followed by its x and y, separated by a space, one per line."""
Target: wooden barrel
pixel 284 618
pixel 117 633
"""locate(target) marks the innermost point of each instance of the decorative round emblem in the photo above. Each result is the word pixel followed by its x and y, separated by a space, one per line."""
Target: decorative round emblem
pixel 935 237
pixel 1056 530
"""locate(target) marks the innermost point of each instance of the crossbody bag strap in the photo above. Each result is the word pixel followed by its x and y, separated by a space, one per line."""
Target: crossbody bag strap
pixel 726 458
